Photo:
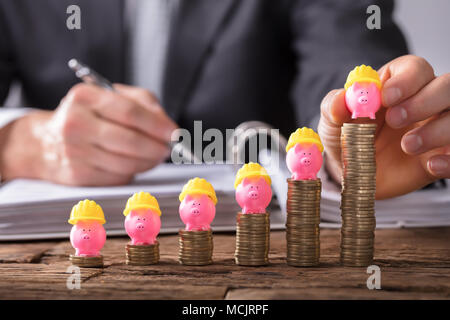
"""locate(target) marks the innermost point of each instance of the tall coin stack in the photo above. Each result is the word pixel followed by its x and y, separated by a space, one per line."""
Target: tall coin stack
pixel 302 222
pixel 142 255
pixel 358 194
pixel 252 239
pixel 86 262
pixel 196 247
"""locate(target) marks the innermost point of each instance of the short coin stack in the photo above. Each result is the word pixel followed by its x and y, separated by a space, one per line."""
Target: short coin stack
pixel 196 247
pixel 87 262
pixel 302 222
pixel 358 194
pixel 142 255
pixel 252 239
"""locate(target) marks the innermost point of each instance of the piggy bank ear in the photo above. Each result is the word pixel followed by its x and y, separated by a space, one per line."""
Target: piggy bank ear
pixel 188 198
pixel 298 148
pixel 356 86
pixel 245 181
pixel 261 180
pixel 372 87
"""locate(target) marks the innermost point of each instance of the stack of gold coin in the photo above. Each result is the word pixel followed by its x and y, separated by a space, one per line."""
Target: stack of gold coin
pixel 302 222
pixel 196 247
pixel 87 262
pixel 142 255
pixel 252 239
pixel 358 194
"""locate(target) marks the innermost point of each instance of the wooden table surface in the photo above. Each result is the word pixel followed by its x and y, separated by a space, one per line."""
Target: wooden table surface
pixel 415 264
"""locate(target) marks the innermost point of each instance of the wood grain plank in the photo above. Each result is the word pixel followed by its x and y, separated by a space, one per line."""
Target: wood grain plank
pixel 414 264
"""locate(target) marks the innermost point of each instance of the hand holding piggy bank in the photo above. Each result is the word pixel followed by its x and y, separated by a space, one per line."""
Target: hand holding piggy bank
pixel 363 92
pixel 142 221
pixel 87 235
pixel 253 191
pixel 198 205
pixel 304 154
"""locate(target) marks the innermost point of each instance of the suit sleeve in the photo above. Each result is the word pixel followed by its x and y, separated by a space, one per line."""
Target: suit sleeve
pixel 6 60
pixel 330 38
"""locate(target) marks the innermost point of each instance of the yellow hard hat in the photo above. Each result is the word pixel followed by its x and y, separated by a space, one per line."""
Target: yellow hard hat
pixel 363 73
pixel 251 169
pixel 86 210
pixel 304 135
pixel 198 186
pixel 141 200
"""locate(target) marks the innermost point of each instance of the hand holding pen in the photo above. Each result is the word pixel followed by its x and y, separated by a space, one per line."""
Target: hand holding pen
pixel 94 137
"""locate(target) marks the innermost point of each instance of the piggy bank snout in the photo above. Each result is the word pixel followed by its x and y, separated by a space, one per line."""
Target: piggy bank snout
pixel 253 194
pixel 306 161
pixel 85 236
pixel 195 210
pixel 363 99
pixel 140 226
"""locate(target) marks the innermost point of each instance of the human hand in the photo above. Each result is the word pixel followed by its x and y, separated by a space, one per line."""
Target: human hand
pixel 94 137
pixel 413 134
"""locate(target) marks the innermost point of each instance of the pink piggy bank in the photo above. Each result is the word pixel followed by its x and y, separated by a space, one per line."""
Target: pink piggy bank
pixel 363 99
pixel 88 238
pixel 143 226
pixel 304 160
pixel 197 212
pixel 253 194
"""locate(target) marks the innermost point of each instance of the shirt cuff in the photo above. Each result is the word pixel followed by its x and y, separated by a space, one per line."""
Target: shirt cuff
pixel 8 115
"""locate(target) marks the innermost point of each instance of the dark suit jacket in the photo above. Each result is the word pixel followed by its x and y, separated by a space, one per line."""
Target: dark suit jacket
pixel 228 61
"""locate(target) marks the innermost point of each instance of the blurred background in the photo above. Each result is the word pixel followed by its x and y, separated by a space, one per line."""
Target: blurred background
pixel 425 24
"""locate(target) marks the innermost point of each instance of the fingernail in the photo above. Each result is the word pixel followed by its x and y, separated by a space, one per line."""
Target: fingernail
pixel 396 116
pixel 412 143
pixel 438 166
pixel 392 95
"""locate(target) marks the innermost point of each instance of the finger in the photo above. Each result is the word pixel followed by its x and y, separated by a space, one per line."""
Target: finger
pixel 432 135
pixel 115 163
pixel 333 114
pixel 115 138
pixel 120 109
pixel 439 166
pixel 140 95
pixel 431 100
pixel 333 108
pixel 146 99
pixel 407 75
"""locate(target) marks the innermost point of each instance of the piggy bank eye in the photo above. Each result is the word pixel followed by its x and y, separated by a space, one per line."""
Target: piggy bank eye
pixel 362 92
pixel 309 153
pixel 139 218
pixel 84 229
pixel 257 187
pixel 143 219
pixel 89 230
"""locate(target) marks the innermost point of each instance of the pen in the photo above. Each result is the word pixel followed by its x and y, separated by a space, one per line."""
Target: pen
pixel 87 75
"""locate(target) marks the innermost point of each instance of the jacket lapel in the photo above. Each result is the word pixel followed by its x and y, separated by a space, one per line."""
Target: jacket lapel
pixel 198 23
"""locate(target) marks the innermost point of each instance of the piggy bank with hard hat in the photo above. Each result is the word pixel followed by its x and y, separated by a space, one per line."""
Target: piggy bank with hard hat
pixel 198 205
pixel 304 154
pixel 87 235
pixel 253 191
pixel 363 92
pixel 142 221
